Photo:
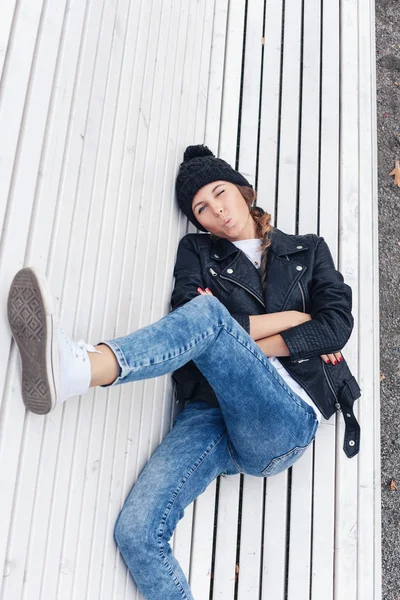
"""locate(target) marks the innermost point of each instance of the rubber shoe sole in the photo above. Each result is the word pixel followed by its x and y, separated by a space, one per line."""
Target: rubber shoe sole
pixel 33 325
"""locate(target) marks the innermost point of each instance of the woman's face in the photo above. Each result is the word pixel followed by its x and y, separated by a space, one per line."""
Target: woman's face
pixel 219 201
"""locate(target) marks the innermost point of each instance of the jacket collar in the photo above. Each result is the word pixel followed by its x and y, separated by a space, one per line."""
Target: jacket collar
pixel 281 245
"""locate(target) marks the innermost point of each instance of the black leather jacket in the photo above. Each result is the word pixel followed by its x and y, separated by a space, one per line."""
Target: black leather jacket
pixel 301 276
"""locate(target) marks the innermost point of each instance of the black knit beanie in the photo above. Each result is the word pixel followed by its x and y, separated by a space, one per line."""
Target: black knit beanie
pixel 199 168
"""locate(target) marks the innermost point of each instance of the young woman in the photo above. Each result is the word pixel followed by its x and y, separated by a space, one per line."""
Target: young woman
pixel 245 293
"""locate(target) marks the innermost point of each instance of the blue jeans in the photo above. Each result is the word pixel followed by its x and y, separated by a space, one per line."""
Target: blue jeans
pixel 261 428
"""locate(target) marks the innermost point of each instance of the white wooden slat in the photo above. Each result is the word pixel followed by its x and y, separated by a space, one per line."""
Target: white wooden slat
pixel 231 83
pixel 251 538
pixel 251 91
pixel 369 543
pixel 330 128
pixel 370 557
pixel 191 82
pixel 8 14
pixel 323 511
pixel 225 547
pixel 310 115
pixel 270 107
pixel 215 89
pixel 349 235
pixel 325 442
pixel 289 124
pixel 15 84
pixel 300 527
pixel 9 456
pixel 275 524
pixel 21 517
pixel 206 17
pixel 203 534
pixel 182 540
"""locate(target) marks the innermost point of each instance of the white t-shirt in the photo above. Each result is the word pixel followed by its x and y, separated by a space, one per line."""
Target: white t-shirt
pixel 252 249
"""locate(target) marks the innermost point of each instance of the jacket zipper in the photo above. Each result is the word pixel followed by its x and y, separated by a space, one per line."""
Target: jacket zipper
pixel 214 274
pixel 241 285
pixel 302 295
pixel 338 407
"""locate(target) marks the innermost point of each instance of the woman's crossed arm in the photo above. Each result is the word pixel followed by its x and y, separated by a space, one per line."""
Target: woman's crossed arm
pixel 265 330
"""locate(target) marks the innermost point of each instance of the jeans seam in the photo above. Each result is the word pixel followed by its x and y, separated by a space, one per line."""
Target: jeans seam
pixel 175 578
pixel 268 365
pixel 177 492
pixel 110 344
pixel 233 460
pixel 172 357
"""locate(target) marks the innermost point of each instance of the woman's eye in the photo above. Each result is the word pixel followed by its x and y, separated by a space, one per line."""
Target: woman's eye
pixel 201 209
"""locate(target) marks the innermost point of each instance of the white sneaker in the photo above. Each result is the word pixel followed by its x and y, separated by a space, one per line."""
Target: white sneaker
pixel 54 367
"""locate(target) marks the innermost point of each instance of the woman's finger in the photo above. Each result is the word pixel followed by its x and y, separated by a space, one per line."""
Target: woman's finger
pixel 335 358
pixel 206 291
pixel 331 358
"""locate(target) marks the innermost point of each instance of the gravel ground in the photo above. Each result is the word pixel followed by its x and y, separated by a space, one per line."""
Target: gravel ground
pixel 388 125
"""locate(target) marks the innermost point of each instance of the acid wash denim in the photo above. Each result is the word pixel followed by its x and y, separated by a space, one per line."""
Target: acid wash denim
pixel 260 428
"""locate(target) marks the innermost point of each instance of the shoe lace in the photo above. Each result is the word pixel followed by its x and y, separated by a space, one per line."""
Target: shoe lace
pixel 79 348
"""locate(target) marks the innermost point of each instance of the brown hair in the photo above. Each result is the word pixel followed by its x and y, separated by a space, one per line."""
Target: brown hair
pixel 264 227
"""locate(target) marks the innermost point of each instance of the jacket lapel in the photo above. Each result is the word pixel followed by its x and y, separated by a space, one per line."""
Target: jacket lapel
pixel 283 269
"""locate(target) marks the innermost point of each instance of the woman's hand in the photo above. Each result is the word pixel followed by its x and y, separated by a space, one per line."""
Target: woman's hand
pixel 206 291
pixel 298 319
pixel 333 358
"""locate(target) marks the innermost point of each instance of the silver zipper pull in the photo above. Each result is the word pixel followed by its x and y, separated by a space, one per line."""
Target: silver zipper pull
pixel 303 360
pixel 338 407
pixel 213 272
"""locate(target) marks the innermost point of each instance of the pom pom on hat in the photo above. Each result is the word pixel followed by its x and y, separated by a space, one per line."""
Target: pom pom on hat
pixel 199 168
pixel 196 151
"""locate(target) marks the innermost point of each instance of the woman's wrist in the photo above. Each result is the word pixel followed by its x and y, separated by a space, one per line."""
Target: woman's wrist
pixel 273 346
pixel 267 325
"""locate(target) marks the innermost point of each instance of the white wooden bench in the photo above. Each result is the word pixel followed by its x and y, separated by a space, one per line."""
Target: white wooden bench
pixel 97 104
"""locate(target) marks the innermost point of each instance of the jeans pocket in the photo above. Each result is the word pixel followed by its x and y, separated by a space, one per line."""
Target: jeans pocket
pixel 283 462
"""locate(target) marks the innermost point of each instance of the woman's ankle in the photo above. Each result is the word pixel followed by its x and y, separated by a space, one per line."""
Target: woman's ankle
pixel 104 367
